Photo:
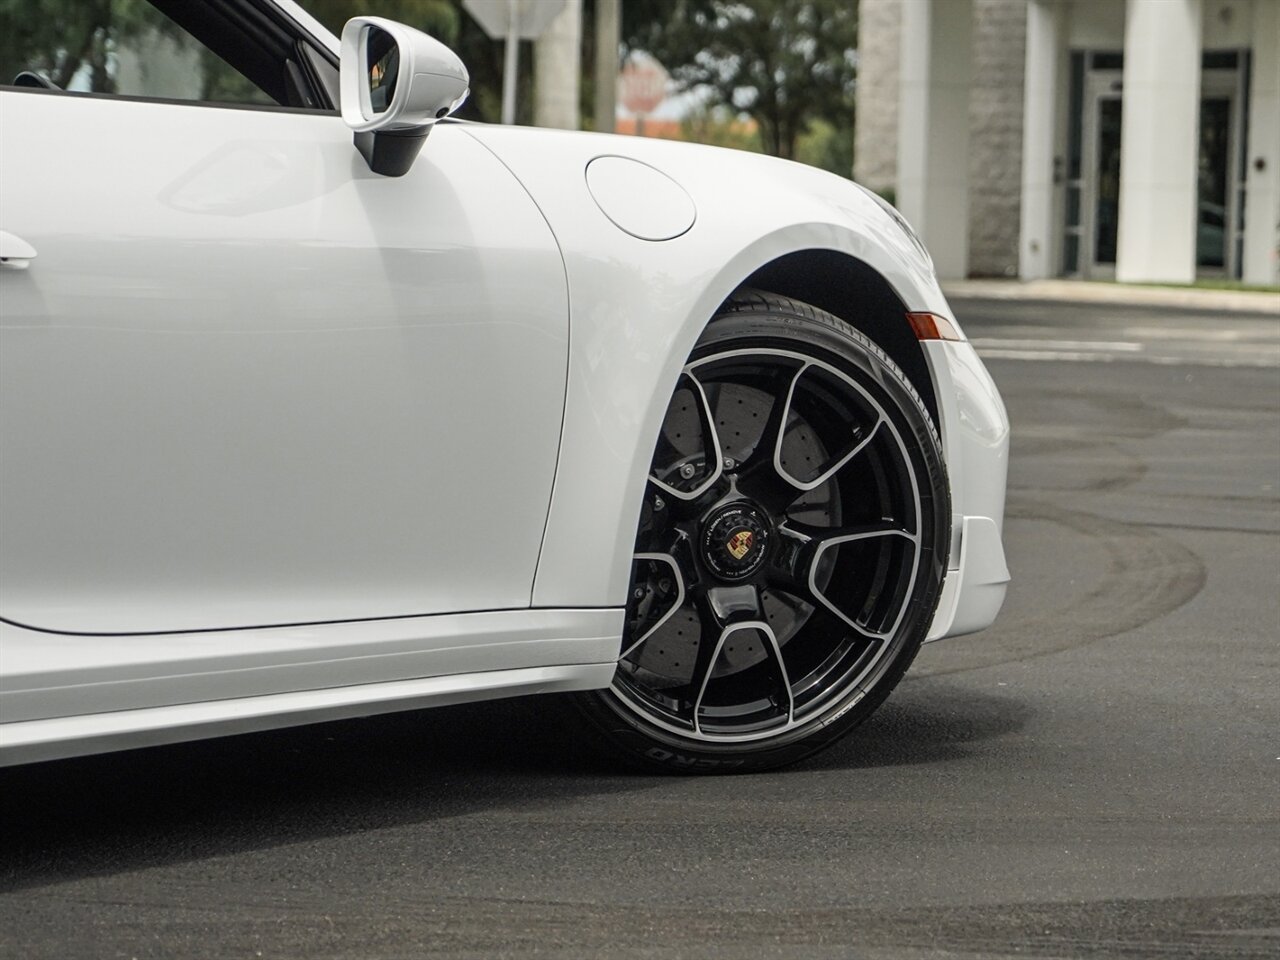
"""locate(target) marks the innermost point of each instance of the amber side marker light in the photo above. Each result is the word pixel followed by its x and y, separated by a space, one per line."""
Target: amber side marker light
pixel 931 326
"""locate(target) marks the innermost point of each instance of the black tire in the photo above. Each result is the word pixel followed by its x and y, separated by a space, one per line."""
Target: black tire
pixel 790 551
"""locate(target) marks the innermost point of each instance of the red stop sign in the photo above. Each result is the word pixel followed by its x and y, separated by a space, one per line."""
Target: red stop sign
pixel 643 84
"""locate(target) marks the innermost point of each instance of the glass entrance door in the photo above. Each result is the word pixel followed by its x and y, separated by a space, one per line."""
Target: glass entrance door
pixel 1106 195
pixel 1219 207
pixel 1211 219
pixel 1100 196
pixel 1092 187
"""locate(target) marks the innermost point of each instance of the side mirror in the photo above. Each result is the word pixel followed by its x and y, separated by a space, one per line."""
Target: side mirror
pixel 395 83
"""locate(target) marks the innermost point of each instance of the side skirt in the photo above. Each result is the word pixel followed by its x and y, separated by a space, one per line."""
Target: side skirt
pixel 33 740
pixel 65 694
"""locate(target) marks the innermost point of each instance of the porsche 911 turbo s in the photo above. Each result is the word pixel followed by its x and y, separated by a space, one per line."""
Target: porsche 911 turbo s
pixel 318 403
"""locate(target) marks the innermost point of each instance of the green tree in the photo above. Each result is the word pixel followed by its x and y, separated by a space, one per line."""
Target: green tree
pixel 57 38
pixel 80 41
pixel 719 127
pixel 785 63
pixel 827 145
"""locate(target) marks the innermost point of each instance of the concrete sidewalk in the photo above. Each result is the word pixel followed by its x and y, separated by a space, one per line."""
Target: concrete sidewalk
pixel 1119 294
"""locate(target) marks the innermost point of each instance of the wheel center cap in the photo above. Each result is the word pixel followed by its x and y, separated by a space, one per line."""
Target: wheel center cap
pixel 735 540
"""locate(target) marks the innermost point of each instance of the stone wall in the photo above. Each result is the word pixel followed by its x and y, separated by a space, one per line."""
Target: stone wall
pixel 875 140
pixel 995 135
pixel 995 120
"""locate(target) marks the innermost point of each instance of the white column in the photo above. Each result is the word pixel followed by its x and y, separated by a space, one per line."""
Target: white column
pixel 1159 142
pixel 556 70
pixel 608 33
pixel 1038 229
pixel 1262 186
pixel 933 128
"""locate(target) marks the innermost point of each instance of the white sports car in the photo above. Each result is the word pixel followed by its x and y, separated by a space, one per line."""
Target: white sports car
pixel 298 425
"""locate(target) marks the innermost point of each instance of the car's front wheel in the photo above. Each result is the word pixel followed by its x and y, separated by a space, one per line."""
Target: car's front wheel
pixel 791 546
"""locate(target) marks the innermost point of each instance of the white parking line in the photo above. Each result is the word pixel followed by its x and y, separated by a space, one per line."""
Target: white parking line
pixel 1267 359
pixel 999 343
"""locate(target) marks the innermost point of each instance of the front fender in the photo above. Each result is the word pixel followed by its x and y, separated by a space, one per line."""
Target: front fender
pixel 637 308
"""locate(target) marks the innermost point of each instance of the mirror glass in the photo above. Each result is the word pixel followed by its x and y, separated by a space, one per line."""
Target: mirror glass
pixel 383 57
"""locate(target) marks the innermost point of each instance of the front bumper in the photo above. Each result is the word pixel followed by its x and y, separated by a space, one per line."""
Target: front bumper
pixel 975 445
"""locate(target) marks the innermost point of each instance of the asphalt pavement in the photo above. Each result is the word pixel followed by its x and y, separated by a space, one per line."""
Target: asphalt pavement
pixel 1098 775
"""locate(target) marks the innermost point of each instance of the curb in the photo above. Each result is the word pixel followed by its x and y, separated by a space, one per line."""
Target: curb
pixel 1084 291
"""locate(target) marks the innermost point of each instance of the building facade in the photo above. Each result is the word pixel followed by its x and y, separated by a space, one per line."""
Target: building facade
pixel 1136 140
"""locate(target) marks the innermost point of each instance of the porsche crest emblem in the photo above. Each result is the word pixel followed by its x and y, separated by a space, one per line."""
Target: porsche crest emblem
pixel 740 544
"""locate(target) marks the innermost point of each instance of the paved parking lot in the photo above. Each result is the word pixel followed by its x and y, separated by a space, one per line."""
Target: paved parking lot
pixel 1095 776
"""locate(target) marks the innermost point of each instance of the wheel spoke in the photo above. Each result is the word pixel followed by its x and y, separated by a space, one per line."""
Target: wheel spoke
pixel 829 538
pixel 758 478
pixel 788 571
pixel 785 680
pixel 766 479
pixel 783 385
pixel 713 457
pixel 676 605
pixel 834 464
pixel 705 660
pixel 731 604
pixel 773 652
pixel 731 610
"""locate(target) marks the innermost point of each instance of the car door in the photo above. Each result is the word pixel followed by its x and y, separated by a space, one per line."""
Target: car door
pixel 244 381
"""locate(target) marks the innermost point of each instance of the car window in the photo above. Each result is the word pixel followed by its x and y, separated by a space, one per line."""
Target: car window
pixel 215 52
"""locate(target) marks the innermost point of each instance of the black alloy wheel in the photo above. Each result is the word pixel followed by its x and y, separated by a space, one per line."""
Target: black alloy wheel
pixel 790 551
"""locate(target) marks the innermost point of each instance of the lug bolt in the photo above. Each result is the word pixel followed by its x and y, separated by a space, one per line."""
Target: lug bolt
pixel 730 463
pixel 688 470
pixel 638 593
pixel 658 503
